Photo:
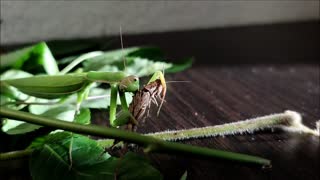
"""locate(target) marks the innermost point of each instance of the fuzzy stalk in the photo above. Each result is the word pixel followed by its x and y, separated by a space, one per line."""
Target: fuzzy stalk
pixel 151 144
pixel 289 121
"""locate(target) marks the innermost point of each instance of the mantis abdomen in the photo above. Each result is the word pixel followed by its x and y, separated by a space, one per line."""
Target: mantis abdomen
pixel 49 87
pixel 56 86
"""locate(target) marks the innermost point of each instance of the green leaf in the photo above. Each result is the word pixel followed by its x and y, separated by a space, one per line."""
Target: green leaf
pixel 184 176
pixel 30 59
pixel 42 106
pixel 62 112
pixel 14 74
pixel 114 60
pixel 102 100
pixel 83 117
pixel 51 160
pixel 67 60
pixel 65 113
pixel 135 65
pixel 5 99
pixel 109 57
pixel 13 127
pixel 134 166
pixel 59 111
pixel 141 61
pixel 84 149
pixel 144 67
pixel 180 67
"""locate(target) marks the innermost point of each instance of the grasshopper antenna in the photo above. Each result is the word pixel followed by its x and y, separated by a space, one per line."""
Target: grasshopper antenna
pixel 124 58
pixel 178 82
pixel 165 89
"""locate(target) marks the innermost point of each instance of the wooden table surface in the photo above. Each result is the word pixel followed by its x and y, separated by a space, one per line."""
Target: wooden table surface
pixel 220 94
pixel 241 73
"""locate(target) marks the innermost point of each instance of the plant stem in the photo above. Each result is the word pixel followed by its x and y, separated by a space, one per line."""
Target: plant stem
pixel 288 121
pixel 156 145
pixel 15 154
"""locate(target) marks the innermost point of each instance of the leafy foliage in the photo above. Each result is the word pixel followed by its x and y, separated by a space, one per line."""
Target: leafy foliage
pixel 65 113
pixel 100 99
pixel 140 61
pixel 180 67
pixel 133 166
pixel 63 155
pixel 68 156
pixel 9 91
pixel 12 127
pixel 36 58
pixel 108 58
pixel 83 117
pixel 72 156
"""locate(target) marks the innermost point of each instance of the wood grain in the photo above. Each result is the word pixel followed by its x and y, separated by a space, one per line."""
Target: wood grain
pixel 220 94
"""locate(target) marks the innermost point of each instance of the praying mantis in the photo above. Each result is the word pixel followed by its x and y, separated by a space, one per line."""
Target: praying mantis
pixel 58 86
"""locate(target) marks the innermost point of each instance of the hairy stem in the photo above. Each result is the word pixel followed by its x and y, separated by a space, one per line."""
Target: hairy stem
pixel 288 121
pixel 156 144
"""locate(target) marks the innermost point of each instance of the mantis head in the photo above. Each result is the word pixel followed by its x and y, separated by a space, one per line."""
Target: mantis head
pixel 129 84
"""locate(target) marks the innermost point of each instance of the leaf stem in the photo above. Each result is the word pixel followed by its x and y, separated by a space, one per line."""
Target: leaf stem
pixel 158 145
pixel 288 121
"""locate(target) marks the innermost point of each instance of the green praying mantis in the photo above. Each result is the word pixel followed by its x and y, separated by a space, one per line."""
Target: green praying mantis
pixel 62 85
pixel 58 86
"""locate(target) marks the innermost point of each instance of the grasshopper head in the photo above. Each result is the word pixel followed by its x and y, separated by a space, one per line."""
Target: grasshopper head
pixel 129 84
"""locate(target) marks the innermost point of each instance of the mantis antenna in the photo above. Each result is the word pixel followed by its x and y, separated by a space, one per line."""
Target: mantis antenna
pixel 124 59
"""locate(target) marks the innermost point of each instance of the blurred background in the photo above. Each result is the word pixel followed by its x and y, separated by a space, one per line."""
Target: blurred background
pixel 32 21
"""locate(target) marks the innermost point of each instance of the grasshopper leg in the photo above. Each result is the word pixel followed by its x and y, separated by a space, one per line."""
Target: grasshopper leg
pixel 159 75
